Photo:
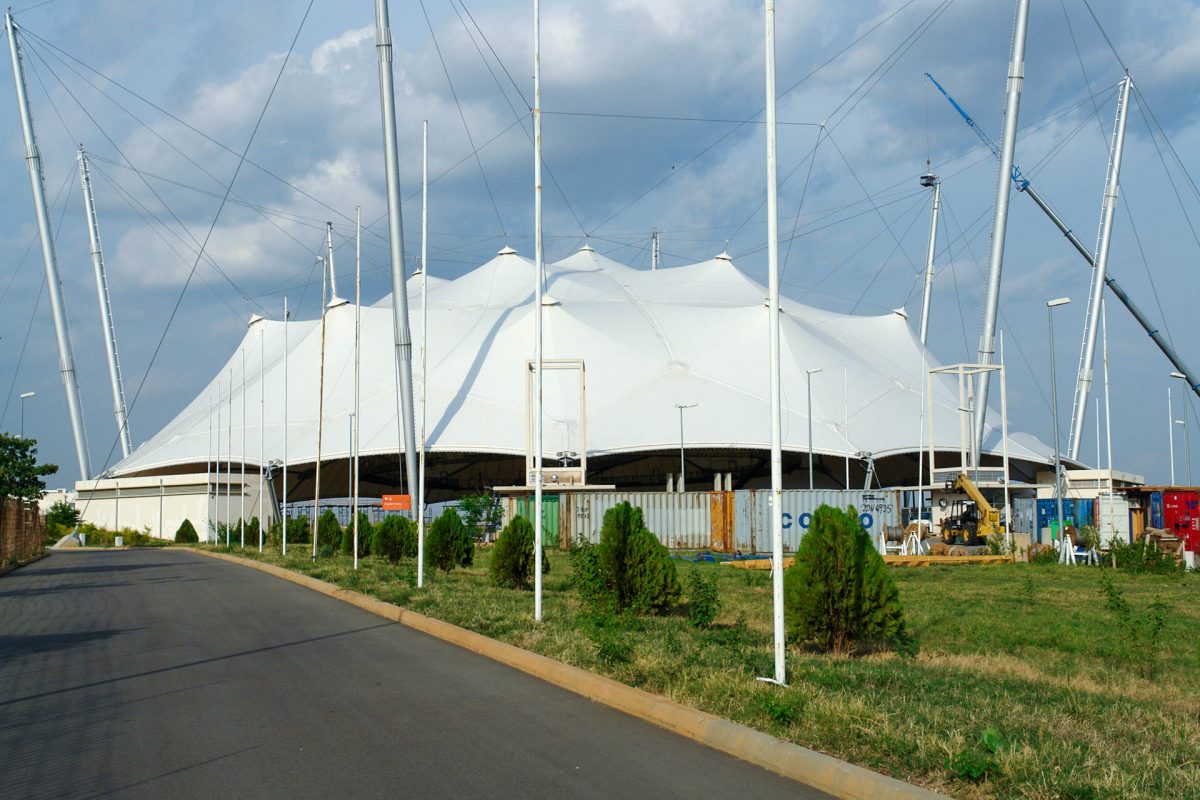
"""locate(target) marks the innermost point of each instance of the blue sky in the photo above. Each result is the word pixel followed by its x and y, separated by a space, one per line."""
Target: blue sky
pixel 697 177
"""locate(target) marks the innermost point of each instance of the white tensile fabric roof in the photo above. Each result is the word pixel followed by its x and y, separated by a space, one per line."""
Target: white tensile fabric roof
pixel 650 340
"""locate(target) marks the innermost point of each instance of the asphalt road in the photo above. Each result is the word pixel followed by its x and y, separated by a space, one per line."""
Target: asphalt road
pixel 164 674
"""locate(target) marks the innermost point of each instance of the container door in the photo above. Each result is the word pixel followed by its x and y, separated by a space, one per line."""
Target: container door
pixel 721 519
pixel 1156 510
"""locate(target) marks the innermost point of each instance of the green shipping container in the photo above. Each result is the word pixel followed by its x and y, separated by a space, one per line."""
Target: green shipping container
pixel 549 516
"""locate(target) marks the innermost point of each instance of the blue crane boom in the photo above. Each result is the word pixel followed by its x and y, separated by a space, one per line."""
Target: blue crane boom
pixel 1023 186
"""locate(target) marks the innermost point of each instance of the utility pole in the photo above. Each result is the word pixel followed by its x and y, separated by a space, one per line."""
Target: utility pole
pixel 1008 147
pixel 400 328
pixel 537 311
pixel 62 333
pixel 329 259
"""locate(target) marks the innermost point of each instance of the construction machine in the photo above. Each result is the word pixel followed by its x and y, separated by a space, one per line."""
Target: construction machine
pixel 973 521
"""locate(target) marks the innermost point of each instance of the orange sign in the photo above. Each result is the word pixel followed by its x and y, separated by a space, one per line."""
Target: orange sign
pixel 397 502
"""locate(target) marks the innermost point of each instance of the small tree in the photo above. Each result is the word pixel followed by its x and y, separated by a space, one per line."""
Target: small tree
pixel 252 529
pixel 63 514
pixel 449 544
pixel 329 530
pixel 636 566
pixel 299 531
pixel 838 592
pixel 512 557
pixel 395 538
pixel 187 533
pixel 20 473
pixel 482 514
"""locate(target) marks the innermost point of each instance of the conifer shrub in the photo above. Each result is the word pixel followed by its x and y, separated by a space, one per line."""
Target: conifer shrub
pixel 252 529
pixel 838 593
pixel 635 565
pixel 394 538
pixel 299 531
pixel 364 537
pixel 513 557
pixel 448 544
pixel 187 533
pixel 329 531
pixel 597 595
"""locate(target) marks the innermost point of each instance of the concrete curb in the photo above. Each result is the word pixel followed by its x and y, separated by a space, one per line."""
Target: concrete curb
pixel 826 773
pixel 25 563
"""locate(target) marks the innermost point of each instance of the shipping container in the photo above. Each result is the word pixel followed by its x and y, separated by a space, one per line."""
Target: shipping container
pixel 1182 517
pixel 1024 515
pixel 1113 519
pixel 1156 510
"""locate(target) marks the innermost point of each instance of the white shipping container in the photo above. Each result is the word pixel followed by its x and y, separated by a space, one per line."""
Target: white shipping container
pixel 875 509
pixel 680 520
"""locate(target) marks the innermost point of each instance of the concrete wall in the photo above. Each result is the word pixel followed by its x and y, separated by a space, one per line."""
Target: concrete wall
pixel 161 504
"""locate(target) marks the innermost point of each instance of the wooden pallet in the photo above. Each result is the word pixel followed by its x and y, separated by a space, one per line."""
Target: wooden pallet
pixel 898 561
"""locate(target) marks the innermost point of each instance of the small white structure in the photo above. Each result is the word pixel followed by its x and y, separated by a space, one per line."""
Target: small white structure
pixel 158 505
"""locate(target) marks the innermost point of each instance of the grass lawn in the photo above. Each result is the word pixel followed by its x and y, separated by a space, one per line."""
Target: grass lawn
pixel 1030 652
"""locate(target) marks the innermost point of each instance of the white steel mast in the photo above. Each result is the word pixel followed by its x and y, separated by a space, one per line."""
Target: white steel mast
pixel 424 348
pixel 401 333
pixel 106 318
pixel 284 502
pixel 537 311
pixel 1008 147
pixel 329 256
pixel 357 367
pixel 927 180
pixel 66 360
pixel 1091 325
pixel 773 336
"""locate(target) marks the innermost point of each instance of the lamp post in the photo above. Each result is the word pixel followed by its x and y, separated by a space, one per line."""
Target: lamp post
pixel 25 396
pixel 681 407
pixel 1050 306
pixel 1187 450
pixel 808 373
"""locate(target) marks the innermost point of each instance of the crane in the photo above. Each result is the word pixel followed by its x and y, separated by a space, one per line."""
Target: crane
pixel 1023 185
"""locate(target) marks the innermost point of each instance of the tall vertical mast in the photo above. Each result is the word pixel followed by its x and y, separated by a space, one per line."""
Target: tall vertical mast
pixel 930 180
pixel 773 336
pixel 991 308
pixel 320 419
pixel 1091 325
pixel 424 348
pixel 66 360
pixel 106 318
pixel 537 310
pixel 401 333
pixel 654 249
pixel 357 369
pixel 284 503
pixel 329 259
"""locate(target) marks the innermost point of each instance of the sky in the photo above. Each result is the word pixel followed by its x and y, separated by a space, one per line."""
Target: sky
pixel 652 120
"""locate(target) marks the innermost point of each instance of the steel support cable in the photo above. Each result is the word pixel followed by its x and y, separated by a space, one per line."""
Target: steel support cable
pixel 154 223
pixel 104 132
pixel 154 132
pixel 29 248
pixel 738 126
pixel 462 116
pixel 517 115
pixel 192 128
pixel 884 262
pixel 211 228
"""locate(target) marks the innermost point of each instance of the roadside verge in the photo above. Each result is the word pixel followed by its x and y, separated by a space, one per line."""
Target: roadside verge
pixel 820 771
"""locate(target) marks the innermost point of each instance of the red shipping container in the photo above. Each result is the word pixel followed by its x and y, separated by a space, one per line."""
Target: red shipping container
pixel 1181 516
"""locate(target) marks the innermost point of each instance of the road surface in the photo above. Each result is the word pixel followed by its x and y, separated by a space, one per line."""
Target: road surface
pixel 164 674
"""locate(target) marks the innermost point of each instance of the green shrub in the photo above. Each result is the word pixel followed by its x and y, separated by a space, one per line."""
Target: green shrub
pixel 482 514
pixel 395 538
pixel 329 531
pixel 636 566
pixel 187 533
pixel 594 591
pixel 252 529
pixel 513 556
pixel 1140 557
pixel 63 514
pixel 1141 633
pixel 838 592
pixel 364 537
pixel 449 543
pixel 704 601
pixel 299 531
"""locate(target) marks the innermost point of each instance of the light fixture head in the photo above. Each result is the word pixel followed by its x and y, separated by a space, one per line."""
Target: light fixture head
pixel 1178 374
pixel 27 395
pixel 1058 301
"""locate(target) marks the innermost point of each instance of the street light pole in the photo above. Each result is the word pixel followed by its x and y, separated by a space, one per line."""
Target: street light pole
pixel 681 407
pixel 1050 306
pixel 25 396
pixel 1171 432
pixel 808 379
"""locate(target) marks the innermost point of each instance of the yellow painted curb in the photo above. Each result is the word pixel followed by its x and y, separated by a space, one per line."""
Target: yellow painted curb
pixel 825 773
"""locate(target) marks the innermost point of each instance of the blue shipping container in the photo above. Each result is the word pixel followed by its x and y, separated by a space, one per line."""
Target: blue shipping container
pixel 1156 510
